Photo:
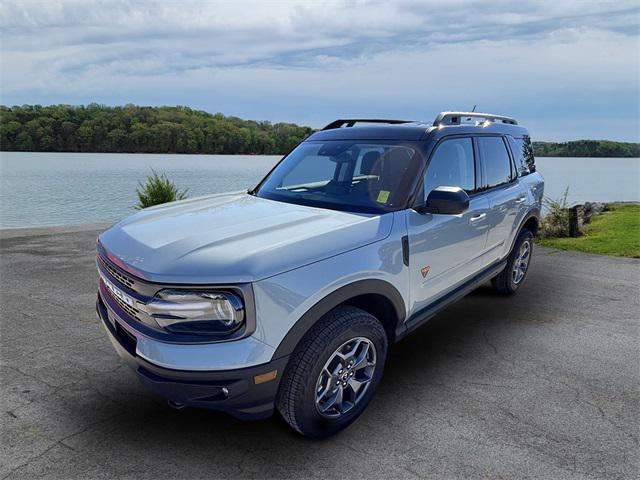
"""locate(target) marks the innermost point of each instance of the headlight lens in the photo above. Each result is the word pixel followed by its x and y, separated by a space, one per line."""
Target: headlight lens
pixel 203 313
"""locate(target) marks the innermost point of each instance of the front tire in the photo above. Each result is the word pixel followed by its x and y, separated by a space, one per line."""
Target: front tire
pixel 333 373
pixel 512 277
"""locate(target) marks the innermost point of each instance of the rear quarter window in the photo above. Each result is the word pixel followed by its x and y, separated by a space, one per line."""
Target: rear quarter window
pixel 523 154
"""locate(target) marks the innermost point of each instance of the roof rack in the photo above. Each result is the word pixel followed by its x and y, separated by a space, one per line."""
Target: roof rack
pixel 350 122
pixel 455 118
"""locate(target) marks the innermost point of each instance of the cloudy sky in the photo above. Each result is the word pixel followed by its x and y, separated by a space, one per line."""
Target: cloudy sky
pixel 566 69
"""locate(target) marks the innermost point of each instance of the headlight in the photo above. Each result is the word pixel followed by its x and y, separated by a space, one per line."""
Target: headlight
pixel 197 312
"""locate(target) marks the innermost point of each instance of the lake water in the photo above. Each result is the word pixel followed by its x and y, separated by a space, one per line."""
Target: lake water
pixel 39 189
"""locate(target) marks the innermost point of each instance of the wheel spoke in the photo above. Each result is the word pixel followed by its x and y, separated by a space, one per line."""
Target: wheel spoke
pixel 324 391
pixel 336 400
pixel 356 385
pixel 346 356
pixel 363 358
pixel 327 404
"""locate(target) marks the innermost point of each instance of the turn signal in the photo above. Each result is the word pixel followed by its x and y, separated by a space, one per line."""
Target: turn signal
pixel 265 377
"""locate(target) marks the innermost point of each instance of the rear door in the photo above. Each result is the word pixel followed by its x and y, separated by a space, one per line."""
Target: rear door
pixel 505 194
pixel 444 250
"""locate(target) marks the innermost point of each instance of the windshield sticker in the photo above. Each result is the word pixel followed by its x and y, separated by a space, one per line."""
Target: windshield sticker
pixel 383 196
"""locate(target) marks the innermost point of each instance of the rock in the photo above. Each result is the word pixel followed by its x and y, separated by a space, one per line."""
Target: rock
pixel 588 210
pixel 576 217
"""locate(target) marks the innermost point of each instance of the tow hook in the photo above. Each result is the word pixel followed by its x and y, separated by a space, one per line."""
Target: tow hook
pixel 176 405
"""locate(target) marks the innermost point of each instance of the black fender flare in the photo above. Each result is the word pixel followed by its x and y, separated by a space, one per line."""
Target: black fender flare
pixel 332 300
pixel 533 213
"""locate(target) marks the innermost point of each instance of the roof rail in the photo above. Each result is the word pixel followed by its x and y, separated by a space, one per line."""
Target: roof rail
pixel 454 118
pixel 350 122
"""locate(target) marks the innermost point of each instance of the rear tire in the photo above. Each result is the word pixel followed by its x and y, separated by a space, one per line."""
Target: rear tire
pixel 333 372
pixel 512 277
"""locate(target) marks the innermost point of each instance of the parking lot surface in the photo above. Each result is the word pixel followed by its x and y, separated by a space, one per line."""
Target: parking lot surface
pixel 543 384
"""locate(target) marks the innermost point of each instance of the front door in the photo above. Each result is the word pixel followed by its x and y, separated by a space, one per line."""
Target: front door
pixel 445 250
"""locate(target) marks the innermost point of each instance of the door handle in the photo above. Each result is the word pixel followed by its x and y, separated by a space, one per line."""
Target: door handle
pixel 521 200
pixel 477 218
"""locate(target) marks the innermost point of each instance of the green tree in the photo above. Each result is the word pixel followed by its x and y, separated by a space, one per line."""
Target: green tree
pixel 131 128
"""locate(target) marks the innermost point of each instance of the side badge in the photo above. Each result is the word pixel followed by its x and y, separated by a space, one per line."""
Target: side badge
pixel 424 271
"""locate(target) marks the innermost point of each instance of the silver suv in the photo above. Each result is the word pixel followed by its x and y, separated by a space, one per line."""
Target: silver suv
pixel 289 296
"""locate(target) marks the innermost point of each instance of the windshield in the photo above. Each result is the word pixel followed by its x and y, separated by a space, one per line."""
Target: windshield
pixel 357 176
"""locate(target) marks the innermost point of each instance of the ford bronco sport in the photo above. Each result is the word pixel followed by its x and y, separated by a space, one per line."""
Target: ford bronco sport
pixel 289 296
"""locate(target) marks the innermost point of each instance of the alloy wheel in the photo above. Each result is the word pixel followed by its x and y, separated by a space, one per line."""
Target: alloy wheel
pixel 521 262
pixel 345 377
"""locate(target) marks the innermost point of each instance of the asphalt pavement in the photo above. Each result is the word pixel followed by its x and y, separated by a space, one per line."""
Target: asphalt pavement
pixel 543 384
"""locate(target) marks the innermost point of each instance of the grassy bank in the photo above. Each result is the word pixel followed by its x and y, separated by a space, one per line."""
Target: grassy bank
pixel 616 232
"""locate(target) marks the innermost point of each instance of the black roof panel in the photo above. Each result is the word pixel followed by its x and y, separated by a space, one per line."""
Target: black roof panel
pixel 404 131
pixel 413 131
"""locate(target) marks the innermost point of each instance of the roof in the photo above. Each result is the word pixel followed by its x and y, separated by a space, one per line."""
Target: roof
pixel 447 123
pixel 404 131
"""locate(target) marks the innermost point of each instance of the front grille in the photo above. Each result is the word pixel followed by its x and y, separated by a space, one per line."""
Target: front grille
pixel 128 282
pixel 124 280
pixel 133 312
pixel 130 310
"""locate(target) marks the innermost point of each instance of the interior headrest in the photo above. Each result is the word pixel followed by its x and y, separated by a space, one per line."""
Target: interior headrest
pixel 369 161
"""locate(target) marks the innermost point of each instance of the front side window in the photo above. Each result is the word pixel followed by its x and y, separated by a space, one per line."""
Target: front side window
pixel 357 176
pixel 496 162
pixel 451 165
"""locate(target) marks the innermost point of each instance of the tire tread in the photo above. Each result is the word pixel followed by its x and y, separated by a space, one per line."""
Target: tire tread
pixel 309 350
pixel 502 281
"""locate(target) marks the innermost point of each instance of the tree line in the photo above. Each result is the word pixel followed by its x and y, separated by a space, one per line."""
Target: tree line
pixel 587 148
pixel 135 129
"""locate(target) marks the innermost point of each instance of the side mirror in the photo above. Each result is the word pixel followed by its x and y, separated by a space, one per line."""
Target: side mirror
pixel 445 201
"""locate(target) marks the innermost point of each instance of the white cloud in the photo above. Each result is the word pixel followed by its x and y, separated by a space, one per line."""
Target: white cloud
pixel 308 61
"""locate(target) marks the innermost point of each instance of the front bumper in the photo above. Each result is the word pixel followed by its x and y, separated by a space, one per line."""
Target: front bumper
pixel 232 391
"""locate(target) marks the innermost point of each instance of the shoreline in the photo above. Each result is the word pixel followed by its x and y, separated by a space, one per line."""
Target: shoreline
pixel 179 154
pixel 17 232
pixel 241 154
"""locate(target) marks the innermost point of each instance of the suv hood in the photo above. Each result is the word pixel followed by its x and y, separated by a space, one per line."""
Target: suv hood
pixel 234 238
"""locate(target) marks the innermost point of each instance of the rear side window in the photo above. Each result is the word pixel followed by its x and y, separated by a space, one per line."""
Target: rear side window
pixel 451 165
pixel 523 155
pixel 496 163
